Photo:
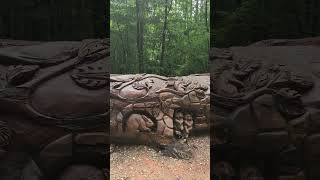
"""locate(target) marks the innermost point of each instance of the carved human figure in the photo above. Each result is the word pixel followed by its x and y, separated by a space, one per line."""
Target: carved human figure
pixel 187 124
pixel 178 124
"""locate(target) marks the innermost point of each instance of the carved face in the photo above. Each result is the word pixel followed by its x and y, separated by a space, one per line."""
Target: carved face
pixel 148 121
pixel 188 120
pixel 179 118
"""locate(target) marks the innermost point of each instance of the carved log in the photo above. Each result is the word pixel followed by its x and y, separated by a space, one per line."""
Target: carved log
pixel 265 109
pixel 53 104
pixel 53 100
pixel 157 109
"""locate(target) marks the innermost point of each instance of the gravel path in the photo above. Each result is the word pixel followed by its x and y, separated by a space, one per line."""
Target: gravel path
pixel 142 162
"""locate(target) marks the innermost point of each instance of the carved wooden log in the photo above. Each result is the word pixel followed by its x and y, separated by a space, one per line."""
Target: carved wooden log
pixel 53 104
pixel 32 75
pixel 266 111
pixel 152 108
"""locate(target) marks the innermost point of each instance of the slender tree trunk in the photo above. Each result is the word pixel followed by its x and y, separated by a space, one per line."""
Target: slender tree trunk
pixel 140 29
pixel 206 15
pixel 163 37
pixel 124 52
pixel 213 15
pixel 127 39
pixel 191 9
pixel 197 11
pixel 186 14
pixel 206 20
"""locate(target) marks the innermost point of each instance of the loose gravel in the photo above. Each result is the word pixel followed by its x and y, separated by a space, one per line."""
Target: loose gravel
pixel 143 162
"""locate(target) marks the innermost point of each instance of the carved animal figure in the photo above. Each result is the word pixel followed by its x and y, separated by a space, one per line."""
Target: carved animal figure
pixel 265 112
pixel 138 123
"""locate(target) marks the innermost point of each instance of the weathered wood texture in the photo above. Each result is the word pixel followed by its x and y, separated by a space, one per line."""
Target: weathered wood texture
pixel 53 95
pixel 265 109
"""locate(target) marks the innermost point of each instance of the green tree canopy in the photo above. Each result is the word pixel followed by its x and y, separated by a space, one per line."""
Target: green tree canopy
pixel 169 37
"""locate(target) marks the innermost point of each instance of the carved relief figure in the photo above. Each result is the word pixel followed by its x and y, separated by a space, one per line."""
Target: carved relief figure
pixel 187 124
pixel 138 123
pixel 178 122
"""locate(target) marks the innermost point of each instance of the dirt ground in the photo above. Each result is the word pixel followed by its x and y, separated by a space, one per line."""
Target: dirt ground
pixel 142 162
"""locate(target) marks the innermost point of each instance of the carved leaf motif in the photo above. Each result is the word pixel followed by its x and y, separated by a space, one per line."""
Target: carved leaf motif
pixel 20 74
pixel 90 77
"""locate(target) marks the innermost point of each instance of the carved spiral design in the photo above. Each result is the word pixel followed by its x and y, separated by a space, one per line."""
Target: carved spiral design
pixel 5 134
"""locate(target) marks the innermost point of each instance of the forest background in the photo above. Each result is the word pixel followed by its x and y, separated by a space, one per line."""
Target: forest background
pixel 242 22
pixel 166 37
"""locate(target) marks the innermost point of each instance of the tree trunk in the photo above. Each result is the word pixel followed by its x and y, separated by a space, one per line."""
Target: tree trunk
pixel 191 9
pixel 163 37
pixel 140 28
pixel 197 10
pixel 206 14
pixel 127 42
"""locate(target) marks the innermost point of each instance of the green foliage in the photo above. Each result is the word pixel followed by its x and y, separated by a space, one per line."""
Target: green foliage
pixel 186 37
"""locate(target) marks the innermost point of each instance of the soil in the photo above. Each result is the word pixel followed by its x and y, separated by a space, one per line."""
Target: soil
pixel 143 162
